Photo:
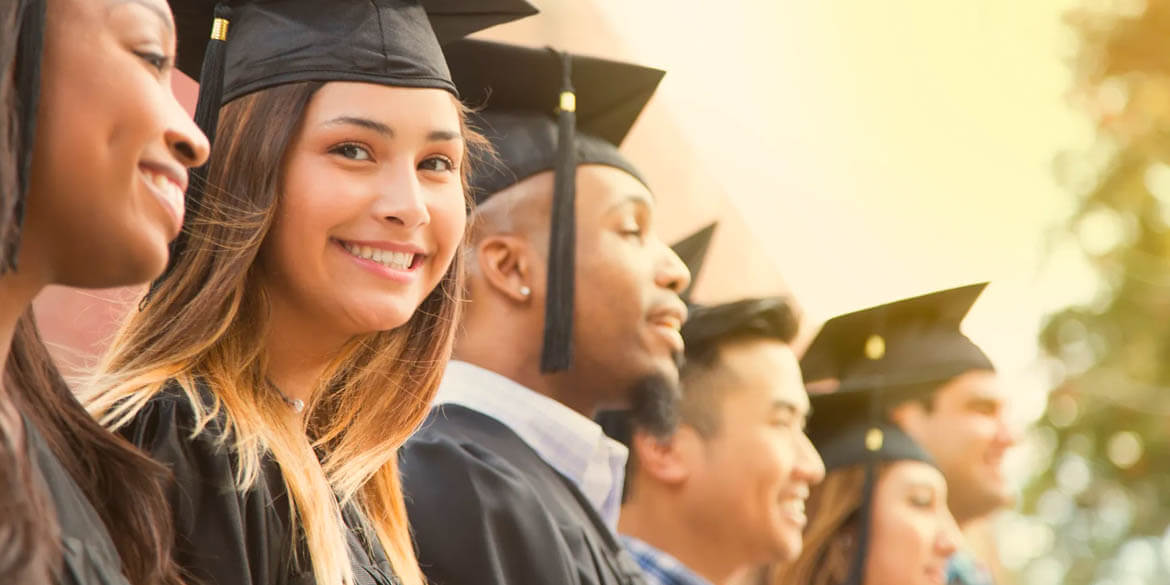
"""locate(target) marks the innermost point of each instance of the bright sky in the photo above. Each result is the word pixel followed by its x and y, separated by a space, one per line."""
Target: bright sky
pixel 884 149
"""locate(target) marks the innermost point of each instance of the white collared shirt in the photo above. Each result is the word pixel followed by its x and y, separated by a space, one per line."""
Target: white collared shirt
pixel 571 443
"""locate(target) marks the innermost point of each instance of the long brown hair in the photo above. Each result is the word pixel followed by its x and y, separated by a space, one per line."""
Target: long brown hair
pixel 208 322
pixel 831 535
pixel 125 486
pixel 27 533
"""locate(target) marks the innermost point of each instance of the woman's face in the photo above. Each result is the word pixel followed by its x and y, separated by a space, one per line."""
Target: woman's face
pixel 913 533
pixel 372 208
pixel 112 145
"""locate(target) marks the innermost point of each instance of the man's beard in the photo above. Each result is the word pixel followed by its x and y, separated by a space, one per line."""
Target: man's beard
pixel 654 405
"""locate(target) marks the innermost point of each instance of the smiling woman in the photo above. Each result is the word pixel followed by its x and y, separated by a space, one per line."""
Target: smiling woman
pixel 301 330
pixel 90 194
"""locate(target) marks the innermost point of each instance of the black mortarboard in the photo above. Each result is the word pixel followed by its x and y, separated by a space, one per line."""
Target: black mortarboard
pixel 919 340
pixel 545 110
pixel 235 47
pixel 26 77
pixel 692 250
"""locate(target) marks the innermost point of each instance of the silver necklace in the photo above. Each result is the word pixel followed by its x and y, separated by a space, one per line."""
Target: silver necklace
pixel 297 405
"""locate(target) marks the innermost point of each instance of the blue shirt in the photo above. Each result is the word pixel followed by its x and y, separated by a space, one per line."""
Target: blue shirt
pixel 572 444
pixel 659 567
pixel 965 569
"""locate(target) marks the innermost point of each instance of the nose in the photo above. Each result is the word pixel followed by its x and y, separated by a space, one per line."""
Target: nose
pixel 184 139
pixel 1006 433
pixel 402 199
pixel 811 467
pixel 949 536
pixel 671 272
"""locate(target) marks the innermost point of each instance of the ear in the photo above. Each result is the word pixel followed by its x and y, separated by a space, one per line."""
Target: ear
pixel 666 459
pixel 506 263
pixel 908 415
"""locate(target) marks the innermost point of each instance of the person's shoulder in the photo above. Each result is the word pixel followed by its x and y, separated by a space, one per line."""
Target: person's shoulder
pixel 171 425
pixel 467 455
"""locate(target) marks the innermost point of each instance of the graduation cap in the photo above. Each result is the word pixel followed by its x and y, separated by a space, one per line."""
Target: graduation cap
pixel 258 44
pixel 30 14
pixel 547 110
pixel 692 250
pixel 918 340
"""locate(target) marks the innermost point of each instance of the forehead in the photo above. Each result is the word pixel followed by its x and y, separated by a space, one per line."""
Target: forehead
pixel 421 106
pixel 975 384
pixel 156 9
pixel 602 189
pixel 765 369
pixel 907 474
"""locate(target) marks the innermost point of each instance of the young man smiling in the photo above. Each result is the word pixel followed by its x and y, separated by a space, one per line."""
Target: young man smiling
pixel 724 492
pixel 510 481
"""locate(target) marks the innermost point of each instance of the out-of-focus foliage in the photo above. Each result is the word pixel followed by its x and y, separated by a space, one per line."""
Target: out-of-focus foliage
pixel 1106 496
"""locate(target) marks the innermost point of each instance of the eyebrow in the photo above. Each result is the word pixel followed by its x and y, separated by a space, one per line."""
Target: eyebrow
pixel 163 15
pixel 360 122
pixel 387 131
pixel 633 199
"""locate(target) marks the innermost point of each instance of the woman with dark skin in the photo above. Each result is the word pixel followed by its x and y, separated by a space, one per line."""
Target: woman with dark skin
pixel 91 191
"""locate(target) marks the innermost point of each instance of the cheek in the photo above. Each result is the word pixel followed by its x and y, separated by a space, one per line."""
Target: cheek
pixel 898 542
pixel 448 225
pixel 93 132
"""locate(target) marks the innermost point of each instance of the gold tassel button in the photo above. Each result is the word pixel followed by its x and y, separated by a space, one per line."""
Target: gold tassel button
pixel 874 439
pixel 568 101
pixel 875 347
pixel 219 29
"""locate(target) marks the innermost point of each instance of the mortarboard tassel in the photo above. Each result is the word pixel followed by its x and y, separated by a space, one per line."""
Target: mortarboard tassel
pixel 29 48
pixel 875 349
pixel 207 118
pixel 557 352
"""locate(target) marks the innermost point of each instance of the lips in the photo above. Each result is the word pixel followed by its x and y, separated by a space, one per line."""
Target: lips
pixel 793 511
pixel 792 507
pixel 668 320
pixel 388 258
pixel 167 185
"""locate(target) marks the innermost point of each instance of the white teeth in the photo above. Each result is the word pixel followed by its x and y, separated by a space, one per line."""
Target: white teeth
pixel 396 260
pixel 170 192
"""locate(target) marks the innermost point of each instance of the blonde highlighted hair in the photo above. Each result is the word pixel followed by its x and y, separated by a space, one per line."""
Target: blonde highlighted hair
pixel 208 321
pixel 830 538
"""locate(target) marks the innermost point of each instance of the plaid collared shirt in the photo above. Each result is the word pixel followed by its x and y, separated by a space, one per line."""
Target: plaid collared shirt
pixel 964 569
pixel 572 444
pixel 659 567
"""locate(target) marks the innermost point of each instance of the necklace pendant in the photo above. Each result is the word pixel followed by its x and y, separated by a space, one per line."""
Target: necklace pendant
pixel 298 405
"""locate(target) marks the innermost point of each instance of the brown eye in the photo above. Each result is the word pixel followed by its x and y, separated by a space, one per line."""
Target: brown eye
pixel 439 164
pixel 352 152
pixel 157 60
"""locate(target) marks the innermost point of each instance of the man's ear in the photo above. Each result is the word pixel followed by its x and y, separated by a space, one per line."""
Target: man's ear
pixel 505 261
pixel 908 415
pixel 666 459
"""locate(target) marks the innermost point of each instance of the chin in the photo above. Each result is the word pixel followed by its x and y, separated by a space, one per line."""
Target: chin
pixel 373 317
pixel 125 270
pixel 787 547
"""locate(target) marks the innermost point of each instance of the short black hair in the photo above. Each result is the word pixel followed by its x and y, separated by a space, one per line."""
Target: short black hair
pixel 708 329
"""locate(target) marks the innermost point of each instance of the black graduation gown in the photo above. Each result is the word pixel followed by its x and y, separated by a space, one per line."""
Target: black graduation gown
pixel 90 557
pixel 487 510
pixel 223 536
